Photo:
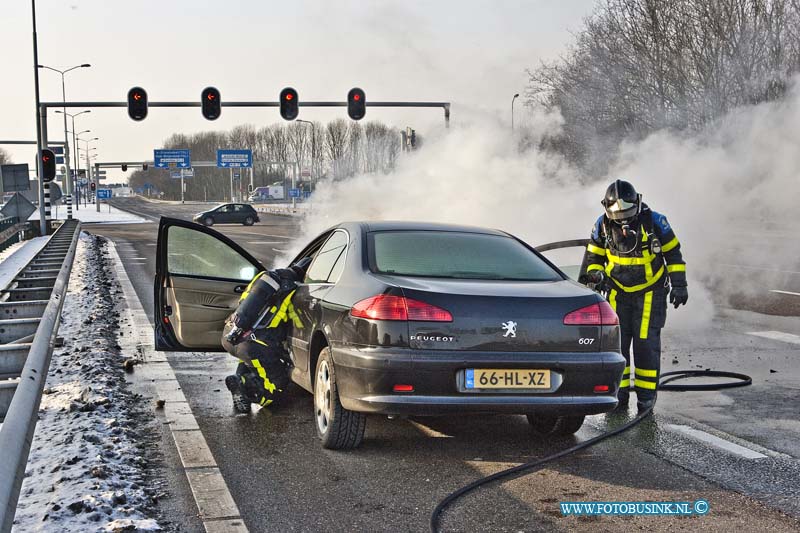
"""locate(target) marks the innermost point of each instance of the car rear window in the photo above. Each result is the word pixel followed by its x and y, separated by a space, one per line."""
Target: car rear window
pixel 458 255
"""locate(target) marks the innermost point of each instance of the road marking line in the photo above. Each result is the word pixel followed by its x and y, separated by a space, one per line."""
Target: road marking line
pixel 217 509
pixel 785 292
pixel 716 442
pixel 777 336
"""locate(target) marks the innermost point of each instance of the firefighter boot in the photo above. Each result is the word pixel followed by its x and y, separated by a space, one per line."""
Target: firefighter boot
pixel 234 384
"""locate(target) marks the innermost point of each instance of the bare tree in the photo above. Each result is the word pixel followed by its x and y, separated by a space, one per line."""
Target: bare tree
pixel 336 140
pixel 638 66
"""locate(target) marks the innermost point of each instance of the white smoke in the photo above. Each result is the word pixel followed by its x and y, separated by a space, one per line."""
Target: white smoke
pixel 718 189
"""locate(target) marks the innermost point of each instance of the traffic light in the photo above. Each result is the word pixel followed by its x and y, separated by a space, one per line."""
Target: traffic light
pixel 211 103
pixel 289 104
pixel 356 103
pixel 48 165
pixel 124 167
pixel 144 166
pixel 93 186
pixel 137 103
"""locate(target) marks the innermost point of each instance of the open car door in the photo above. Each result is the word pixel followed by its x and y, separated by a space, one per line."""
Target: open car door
pixel 566 255
pixel 200 276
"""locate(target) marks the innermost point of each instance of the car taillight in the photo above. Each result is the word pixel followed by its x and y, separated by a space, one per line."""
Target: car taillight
pixel 389 307
pixel 597 314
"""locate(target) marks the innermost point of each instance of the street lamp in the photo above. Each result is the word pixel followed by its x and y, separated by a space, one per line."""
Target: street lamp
pixel 70 178
pixel 512 111
pixel 64 112
pixel 313 139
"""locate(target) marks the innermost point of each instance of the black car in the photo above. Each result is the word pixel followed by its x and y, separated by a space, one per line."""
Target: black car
pixel 228 214
pixel 407 318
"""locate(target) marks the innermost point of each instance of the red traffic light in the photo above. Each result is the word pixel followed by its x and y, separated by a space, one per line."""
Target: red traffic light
pixel 290 103
pixel 356 103
pixel 48 166
pixel 137 103
pixel 211 103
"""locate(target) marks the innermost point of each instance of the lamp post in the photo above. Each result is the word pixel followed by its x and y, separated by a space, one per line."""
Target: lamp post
pixel 66 142
pixel 70 177
pixel 313 140
pixel 88 164
pixel 512 111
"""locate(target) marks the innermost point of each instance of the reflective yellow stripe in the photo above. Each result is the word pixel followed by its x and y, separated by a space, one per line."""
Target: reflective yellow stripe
pixel 268 385
pixel 676 268
pixel 612 299
pixel 264 402
pixel 630 261
pixel 295 318
pixel 670 245
pixel 642 384
pixel 646 373
pixel 627 371
pixel 594 267
pixel 250 286
pixel 596 249
pixel 281 315
pixel 260 342
pixel 636 288
pixel 624 384
pixel 648 306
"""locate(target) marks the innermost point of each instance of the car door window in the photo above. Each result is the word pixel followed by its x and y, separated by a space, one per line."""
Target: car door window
pixel 326 258
pixel 338 266
pixel 192 253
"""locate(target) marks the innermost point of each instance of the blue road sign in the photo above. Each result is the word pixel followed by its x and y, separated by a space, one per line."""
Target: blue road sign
pixel 236 175
pixel 306 194
pixel 175 173
pixel 148 185
pixel 59 160
pixel 58 150
pixel 103 194
pixel 165 158
pixel 294 193
pixel 235 158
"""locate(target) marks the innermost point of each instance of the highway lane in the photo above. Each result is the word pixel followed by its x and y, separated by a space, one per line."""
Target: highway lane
pixel 282 480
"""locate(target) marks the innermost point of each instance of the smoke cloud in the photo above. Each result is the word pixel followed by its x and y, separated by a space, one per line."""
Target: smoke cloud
pixel 719 188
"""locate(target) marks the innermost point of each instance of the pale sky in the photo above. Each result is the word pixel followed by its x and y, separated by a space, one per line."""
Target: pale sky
pixel 472 53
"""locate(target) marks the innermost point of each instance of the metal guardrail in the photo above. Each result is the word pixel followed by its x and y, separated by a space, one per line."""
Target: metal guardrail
pixel 10 227
pixel 30 313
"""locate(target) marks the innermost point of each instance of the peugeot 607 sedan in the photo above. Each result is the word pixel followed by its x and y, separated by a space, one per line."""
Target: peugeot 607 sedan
pixel 402 318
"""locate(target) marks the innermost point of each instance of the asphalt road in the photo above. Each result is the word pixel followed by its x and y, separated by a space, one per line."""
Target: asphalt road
pixel 282 480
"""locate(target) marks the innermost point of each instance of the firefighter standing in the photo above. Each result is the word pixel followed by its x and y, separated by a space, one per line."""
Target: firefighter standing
pixel 255 333
pixel 635 256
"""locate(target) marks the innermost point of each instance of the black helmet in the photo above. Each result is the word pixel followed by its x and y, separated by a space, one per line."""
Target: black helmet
pixel 622 202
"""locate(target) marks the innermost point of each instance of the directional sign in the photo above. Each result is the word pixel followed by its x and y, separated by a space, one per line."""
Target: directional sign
pixel 294 193
pixel 306 194
pixel 175 174
pixel 236 175
pixel 165 158
pixel 235 158
pixel 188 172
pixel 103 194
pixel 58 150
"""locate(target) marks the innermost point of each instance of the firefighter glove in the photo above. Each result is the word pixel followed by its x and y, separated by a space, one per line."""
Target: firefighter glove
pixel 678 296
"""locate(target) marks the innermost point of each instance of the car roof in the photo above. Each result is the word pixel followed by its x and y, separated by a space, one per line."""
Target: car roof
pixel 404 225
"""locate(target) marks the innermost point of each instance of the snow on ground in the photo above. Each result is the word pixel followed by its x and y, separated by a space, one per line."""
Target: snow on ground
pixel 92 466
pixel 89 215
pixel 16 256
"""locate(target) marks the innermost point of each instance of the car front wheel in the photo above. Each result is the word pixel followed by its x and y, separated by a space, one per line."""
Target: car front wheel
pixel 248 221
pixel 337 428
pixel 555 425
pixel 208 221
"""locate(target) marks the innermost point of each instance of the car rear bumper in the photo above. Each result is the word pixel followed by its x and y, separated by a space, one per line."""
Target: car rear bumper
pixel 366 378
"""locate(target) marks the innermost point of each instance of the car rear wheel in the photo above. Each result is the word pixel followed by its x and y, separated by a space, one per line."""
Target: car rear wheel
pixel 337 428
pixel 555 425
pixel 248 221
pixel 208 221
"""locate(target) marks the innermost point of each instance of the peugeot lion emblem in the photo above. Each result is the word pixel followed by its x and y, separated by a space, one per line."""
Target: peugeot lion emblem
pixel 510 328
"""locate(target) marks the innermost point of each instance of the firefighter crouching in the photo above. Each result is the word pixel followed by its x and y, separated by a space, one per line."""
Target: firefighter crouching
pixel 255 334
pixel 636 258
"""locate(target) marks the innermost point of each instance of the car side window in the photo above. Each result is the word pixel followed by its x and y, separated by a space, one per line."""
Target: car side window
pixel 193 253
pixel 326 258
pixel 223 209
pixel 238 208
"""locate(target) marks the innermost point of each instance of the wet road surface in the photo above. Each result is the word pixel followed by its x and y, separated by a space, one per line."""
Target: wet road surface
pixel 282 480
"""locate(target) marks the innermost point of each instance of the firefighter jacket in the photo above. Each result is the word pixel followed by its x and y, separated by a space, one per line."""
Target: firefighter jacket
pixel 640 260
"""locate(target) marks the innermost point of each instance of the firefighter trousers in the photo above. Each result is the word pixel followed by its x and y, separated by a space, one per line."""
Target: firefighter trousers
pixel 263 372
pixel 641 317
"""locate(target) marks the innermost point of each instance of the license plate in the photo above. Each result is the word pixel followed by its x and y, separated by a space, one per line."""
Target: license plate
pixel 493 378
